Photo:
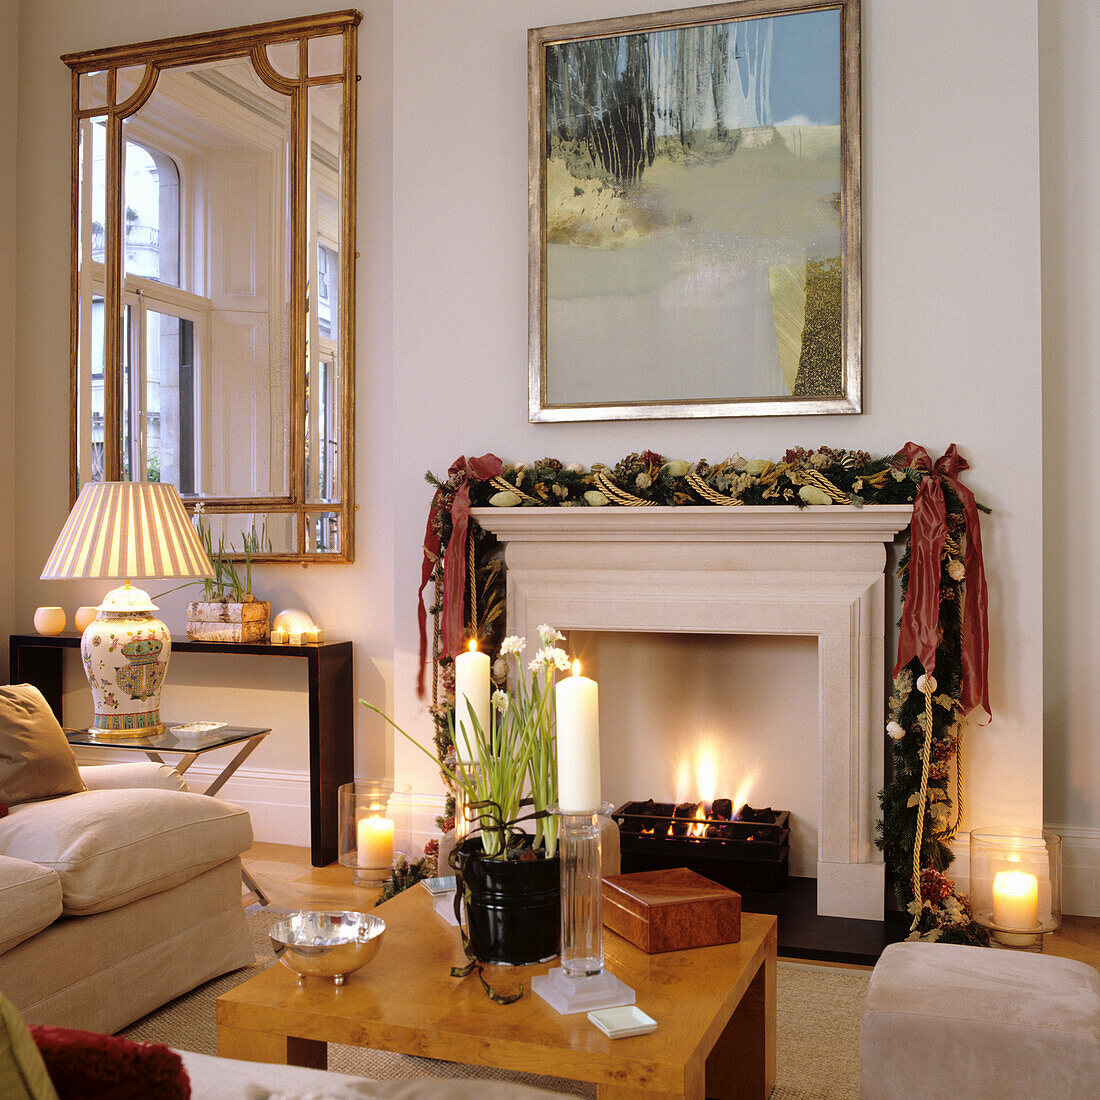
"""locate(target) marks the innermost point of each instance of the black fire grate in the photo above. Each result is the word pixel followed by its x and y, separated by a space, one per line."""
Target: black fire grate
pixel 749 850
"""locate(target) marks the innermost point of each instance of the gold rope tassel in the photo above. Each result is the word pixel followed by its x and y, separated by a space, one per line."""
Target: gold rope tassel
pixel 922 806
pixel 435 643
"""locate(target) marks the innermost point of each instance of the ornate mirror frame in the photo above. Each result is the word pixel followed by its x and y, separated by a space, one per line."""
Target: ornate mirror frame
pixel 124 79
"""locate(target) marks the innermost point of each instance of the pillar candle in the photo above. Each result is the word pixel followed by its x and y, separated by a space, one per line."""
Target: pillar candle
pixel 374 842
pixel 578 735
pixel 1015 905
pixel 472 683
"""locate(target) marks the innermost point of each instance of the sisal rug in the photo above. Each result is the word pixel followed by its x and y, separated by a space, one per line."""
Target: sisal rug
pixel 817 1031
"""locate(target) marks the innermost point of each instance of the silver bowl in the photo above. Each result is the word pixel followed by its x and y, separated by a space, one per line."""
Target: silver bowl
pixel 326 945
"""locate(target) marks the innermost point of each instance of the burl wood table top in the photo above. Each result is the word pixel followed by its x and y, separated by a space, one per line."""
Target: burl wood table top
pixel 406 1001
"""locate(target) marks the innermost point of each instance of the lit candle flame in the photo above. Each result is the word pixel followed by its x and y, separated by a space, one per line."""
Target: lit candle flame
pixel 576 668
pixel 473 645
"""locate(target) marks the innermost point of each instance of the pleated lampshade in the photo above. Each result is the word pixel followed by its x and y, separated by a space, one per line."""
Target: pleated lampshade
pixel 126 530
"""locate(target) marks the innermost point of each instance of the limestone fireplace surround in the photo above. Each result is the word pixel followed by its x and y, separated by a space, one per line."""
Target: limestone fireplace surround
pixel 769 570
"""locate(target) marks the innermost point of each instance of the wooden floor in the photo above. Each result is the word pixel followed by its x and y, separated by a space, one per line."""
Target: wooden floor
pixel 284 873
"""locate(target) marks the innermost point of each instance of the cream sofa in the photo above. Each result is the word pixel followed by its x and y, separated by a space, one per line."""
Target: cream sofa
pixel 116 899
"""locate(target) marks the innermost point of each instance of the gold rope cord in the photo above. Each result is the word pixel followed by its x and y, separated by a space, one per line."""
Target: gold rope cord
pixel 926 753
pixel 951 833
pixel 435 641
pixel 471 568
pixel 613 492
pixel 820 481
pixel 508 487
pixel 707 493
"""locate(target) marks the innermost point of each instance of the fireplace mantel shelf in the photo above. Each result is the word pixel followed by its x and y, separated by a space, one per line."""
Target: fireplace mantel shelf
pixel 766 570
pixel 749 523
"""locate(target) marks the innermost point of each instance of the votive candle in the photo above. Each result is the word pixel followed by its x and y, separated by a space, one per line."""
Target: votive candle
pixel 578 734
pixel 374 842
pixel 1015 905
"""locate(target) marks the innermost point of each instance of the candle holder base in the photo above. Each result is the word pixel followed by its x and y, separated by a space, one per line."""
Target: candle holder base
pixel 1011 941
pixel 567 995
pixel 370 877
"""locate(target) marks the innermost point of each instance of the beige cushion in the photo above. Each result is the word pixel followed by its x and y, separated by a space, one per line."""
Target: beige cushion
pixel 35 759
pixel 30 899
pixel 949 1021
pixel 111 847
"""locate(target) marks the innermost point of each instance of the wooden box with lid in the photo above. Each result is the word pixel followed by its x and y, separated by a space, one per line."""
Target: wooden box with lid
pixel 670 910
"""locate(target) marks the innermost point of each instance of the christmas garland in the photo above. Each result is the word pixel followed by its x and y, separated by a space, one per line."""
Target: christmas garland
pixel 942 626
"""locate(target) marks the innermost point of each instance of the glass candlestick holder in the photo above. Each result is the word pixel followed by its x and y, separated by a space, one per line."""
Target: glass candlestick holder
pixel 374 828
pixel 581 984
pixel 1016 884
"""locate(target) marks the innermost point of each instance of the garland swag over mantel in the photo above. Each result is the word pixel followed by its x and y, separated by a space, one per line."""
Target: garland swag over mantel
pixel 940 675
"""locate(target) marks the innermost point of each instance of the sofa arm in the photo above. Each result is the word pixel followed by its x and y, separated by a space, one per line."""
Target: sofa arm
pixel 138 773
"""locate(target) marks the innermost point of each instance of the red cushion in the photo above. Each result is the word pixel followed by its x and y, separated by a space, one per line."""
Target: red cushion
pixel 86 1066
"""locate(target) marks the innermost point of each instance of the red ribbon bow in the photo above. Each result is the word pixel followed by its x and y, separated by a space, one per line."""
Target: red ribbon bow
pixel 920 618
pixel 454 560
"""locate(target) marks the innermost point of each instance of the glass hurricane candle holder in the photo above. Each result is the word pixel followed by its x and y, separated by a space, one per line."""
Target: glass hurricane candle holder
pixel 1016 884
pixel 374 828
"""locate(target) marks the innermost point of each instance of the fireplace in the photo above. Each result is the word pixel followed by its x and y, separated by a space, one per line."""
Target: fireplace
pixel 814 573
pixel 745 849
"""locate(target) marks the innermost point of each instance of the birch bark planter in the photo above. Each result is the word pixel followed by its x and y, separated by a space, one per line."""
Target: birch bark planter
pixel 222 621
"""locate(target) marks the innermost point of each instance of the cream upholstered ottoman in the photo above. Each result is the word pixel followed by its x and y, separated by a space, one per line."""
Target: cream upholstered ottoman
pixel 942 1020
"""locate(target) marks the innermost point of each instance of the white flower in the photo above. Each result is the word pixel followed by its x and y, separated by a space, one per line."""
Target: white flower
pixel 736 461
pixel 548 635
pixel 817 459
pixel 895 731
pixel 500 701
pixel 643 481
pixel 923 680
pixel 513 644
pixel 547 656
pixel 955 569
pixel 575 468
pixel 677 467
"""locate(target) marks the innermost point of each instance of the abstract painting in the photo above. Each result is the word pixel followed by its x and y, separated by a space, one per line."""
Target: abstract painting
pixel 695 213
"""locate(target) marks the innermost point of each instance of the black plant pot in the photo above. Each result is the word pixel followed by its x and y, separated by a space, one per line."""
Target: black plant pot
pixel 513 913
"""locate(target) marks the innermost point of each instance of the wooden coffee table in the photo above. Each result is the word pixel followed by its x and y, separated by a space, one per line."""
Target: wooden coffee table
pixel 714 1007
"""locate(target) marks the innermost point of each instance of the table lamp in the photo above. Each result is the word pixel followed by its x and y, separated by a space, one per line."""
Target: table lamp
pixel 123 530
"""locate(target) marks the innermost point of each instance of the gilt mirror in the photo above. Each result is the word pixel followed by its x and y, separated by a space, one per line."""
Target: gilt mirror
pixel 213 278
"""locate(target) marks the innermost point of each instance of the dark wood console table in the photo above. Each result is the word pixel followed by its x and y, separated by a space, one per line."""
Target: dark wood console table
pixel 35 659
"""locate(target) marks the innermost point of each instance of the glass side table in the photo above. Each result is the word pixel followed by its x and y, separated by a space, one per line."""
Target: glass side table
pixel 189 748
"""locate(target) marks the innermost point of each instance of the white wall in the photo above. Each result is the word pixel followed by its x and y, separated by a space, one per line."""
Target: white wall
pixel 951 307
pixel 1069 105
pixel 9 78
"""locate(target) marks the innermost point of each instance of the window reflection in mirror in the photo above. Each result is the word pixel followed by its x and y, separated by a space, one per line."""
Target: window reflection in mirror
pixel 214 202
